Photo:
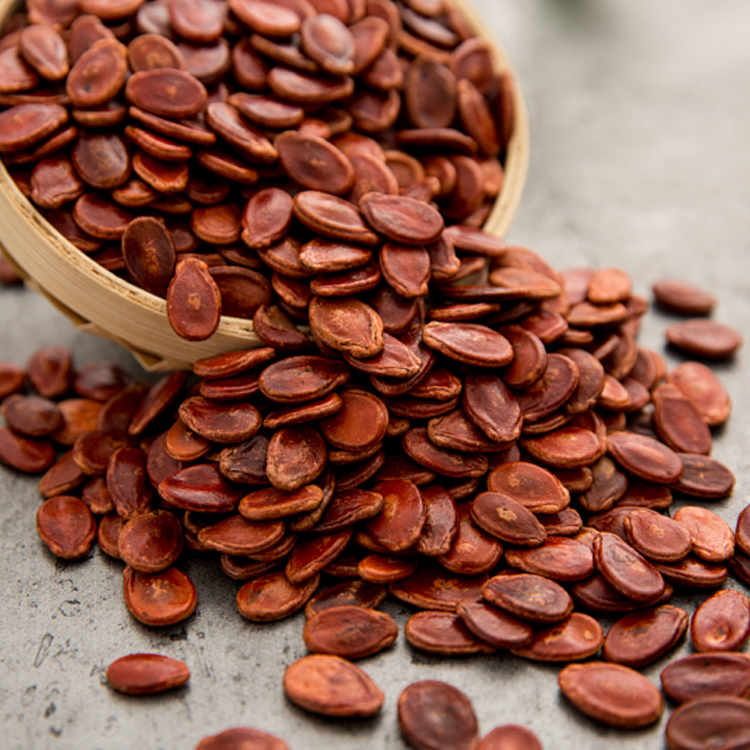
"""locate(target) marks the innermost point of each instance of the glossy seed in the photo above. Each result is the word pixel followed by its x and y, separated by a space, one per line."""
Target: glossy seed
pixel 434 715
pixel 159 599
pixel 704 338
pixel 721 623
pixel 146 674
pixel 645 457
pixel 699 676
pixel 529 597
pixel 643 637
pixel 577 637
pixel 625 569
pixel 332 686
pixel 433 588
pixel 273 597
pixel 713 539
pixel 66 527
pixel 709 723
pixel 350 632
pixel 612 694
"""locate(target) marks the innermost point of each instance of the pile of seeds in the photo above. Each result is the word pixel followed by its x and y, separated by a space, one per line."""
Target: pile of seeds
pixel 495 473
pixel 219 154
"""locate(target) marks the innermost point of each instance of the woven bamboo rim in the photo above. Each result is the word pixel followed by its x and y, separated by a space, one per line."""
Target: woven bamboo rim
pixel 98 302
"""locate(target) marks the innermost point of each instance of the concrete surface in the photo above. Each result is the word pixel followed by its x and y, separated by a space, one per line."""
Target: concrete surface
pixel 640 117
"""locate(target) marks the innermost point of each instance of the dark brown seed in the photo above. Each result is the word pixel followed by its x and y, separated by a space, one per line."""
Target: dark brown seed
pixel 559 558
pixel 108 534
pixel 643 637
pixel 608 485
pixel 127 482
pixel 66 527
pixel 715 722
pixel 151 542
pixel 645 457
pixel 270 503
pixel 32 416
pixel 693 572
pixel 704 338
pixel 491 407
pixel 201 488
pixel 532 486
pixel 551 391
pixel 273 597
pixel 657 537
pixel 401 219
pixel 565 448
pixel 679 423
pixel 311 555
pixel 704 477
pixel 434 715
pixel 328 42
pixel 441 522
pixel 721 623
pixel 300 379
pixel 384 569
pixel 529 597
pixel 242 738
pixel 159 398
pixel 360 424
pixel 93 450
pixel 468 342
pixel 152 51
pixel 399 523
pixel 713 539
pixel 54 182
pixel 700 385
pixel 149 254
pixel 683 297
pixel 700 676
pixel 295 456
pixel 166 92
pixel 332 217
pixel 219 422
pixel 511 737
pixel 266 217
pixel 507 519
pixel 98 74
pixel 350 593
pixel 159 599
pixel 193 301
pixel 493 626
pixel 331 686
pixel 418 446
pixel 433 588
pixel 146 674
pixel 430 94
pixel 349 632
pixel 443 633
pixel 625 569
pixel 472 551
pixel 25 454
pixel 44 49
pixel 575 638
pixel 237 536
pixel 347 325
pixel 62 477
pixel 612 694
pixel 349 507
pixel 100 218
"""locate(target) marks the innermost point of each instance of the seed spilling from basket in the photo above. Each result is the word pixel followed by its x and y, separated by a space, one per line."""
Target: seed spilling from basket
pixel 202 151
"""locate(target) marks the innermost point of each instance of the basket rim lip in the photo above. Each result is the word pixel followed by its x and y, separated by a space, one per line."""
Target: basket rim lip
pixel 503 211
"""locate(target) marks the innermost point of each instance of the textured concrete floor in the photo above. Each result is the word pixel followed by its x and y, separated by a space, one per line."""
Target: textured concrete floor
pixel 640 115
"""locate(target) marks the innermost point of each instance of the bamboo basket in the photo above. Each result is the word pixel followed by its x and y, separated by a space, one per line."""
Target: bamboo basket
pixel 99 302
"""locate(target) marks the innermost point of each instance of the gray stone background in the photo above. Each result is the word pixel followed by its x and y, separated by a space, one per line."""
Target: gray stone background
pixel 640 119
